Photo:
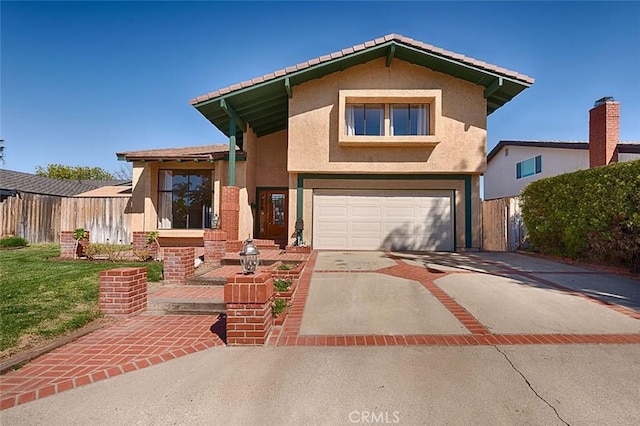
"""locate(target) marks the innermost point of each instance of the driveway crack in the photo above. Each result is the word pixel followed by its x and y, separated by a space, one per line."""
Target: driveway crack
pixel 531 387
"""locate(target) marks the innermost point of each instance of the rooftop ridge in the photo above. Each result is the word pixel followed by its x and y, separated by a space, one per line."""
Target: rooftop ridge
pixel 356 48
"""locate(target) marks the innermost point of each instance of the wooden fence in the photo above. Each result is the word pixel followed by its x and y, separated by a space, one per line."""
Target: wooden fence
pixel 40 218
pixel 502 226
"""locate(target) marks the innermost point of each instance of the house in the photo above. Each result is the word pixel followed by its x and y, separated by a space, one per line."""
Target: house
pixel 377 146
pixel 37 208
pixel 13 183
pixel 512 165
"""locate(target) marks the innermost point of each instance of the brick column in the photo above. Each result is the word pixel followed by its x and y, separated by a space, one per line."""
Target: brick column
pixel 68 245
pixel 178 264
pixel 123 291
pixel 229 211
pixel 249 317
pixel 140 243
pixel 215 246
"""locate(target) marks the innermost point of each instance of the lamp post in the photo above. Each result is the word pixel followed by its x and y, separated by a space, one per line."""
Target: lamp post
pixel 249 257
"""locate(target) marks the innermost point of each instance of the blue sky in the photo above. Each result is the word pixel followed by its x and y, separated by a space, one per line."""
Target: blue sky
pixel 81 81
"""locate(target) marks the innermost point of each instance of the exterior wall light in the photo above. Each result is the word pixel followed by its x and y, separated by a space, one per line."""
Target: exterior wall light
pixel 249 257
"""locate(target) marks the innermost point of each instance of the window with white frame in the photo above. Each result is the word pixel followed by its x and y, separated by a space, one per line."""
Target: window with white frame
pixel 529 167
pixel 185 199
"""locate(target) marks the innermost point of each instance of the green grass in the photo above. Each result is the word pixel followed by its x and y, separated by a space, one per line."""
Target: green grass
pixel 45 297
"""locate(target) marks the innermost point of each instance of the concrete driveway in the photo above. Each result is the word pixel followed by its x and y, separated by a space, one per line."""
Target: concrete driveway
pixel 477 294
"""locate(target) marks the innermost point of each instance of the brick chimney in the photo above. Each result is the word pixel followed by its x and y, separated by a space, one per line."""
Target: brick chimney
pixel 604 132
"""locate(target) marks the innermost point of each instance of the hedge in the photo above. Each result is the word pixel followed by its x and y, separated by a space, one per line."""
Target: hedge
pixel 589 214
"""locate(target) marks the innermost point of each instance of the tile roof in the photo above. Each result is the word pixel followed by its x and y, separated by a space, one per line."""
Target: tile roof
pixel 201 153
pixel 428 48
pixel 26 182
pixel 625 147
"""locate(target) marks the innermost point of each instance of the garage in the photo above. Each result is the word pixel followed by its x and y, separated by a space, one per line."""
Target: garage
pixel 402 220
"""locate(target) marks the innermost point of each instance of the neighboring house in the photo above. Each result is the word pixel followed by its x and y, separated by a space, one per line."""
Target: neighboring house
pixel 512 165
pixel 377 146
pixel 37 208
pixel 12 183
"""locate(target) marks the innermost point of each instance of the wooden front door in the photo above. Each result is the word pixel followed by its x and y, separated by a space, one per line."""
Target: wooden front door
pixel 272 214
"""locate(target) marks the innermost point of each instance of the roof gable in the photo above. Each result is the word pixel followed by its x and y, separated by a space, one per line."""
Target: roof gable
pixel 262 102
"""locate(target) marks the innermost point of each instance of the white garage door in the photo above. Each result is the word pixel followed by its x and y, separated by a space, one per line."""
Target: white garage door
pixel 387 219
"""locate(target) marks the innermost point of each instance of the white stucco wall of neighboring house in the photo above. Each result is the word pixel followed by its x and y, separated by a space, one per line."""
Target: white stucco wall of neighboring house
pixel 627 157
pixel 500 177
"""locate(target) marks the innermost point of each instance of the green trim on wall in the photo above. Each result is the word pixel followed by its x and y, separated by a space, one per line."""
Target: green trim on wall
pixel 468 241
pixel 467 212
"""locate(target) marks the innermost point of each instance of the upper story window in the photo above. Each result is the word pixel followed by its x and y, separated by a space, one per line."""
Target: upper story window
pixel 185 199
pixel 409 119
pixel 365 119
pixel 529 167
pixel 389 117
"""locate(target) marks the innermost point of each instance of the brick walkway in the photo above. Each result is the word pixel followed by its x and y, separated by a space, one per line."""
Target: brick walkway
pixel 289 333
pixel 126 346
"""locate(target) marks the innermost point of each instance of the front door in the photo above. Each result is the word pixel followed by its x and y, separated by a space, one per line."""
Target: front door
pixel 272 214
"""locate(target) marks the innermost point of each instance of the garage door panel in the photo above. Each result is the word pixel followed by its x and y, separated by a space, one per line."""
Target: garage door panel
pixel 366 211
pixel 387 219
pixel 333 227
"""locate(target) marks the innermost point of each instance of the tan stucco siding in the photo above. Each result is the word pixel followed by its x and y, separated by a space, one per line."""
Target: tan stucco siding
pixel 314 123
pixel 272 161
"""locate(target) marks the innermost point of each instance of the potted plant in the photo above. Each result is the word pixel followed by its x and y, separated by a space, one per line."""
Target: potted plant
pixel 279 310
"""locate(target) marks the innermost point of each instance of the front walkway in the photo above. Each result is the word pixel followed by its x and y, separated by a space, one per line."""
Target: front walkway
pixel 126 346
pixel 456 299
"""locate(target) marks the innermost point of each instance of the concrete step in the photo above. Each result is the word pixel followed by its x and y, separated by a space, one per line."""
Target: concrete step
pixel 185 306
pixel 203 280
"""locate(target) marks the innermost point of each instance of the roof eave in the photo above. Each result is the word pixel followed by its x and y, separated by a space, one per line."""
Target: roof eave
pixel 277 86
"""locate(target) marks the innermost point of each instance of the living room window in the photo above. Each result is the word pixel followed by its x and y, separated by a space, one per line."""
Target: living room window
pixel 530 167
pixel 185 199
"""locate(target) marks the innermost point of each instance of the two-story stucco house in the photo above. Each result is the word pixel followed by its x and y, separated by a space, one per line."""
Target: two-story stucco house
pixel 376 146
pixel 512 165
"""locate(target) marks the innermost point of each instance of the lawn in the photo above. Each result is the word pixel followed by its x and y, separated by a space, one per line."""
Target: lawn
pixel 43 297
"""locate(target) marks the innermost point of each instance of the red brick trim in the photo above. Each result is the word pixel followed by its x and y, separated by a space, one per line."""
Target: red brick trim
pixel 249 300
pixel 215 246
pixel 229 211
pixel 123 291
pixel 179 263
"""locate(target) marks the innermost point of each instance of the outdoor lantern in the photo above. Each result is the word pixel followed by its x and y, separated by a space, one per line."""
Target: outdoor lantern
pixel 215 221
pixel 249 257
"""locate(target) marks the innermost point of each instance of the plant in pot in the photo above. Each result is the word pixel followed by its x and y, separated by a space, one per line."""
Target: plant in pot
pixel 283 288
pixel 279 310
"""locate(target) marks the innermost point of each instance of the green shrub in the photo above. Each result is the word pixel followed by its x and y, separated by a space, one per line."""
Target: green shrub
pixel 279 306
pixel 13 242
pixel 282 285
pixel 284 267
pixel 589 214
pixel 111 252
